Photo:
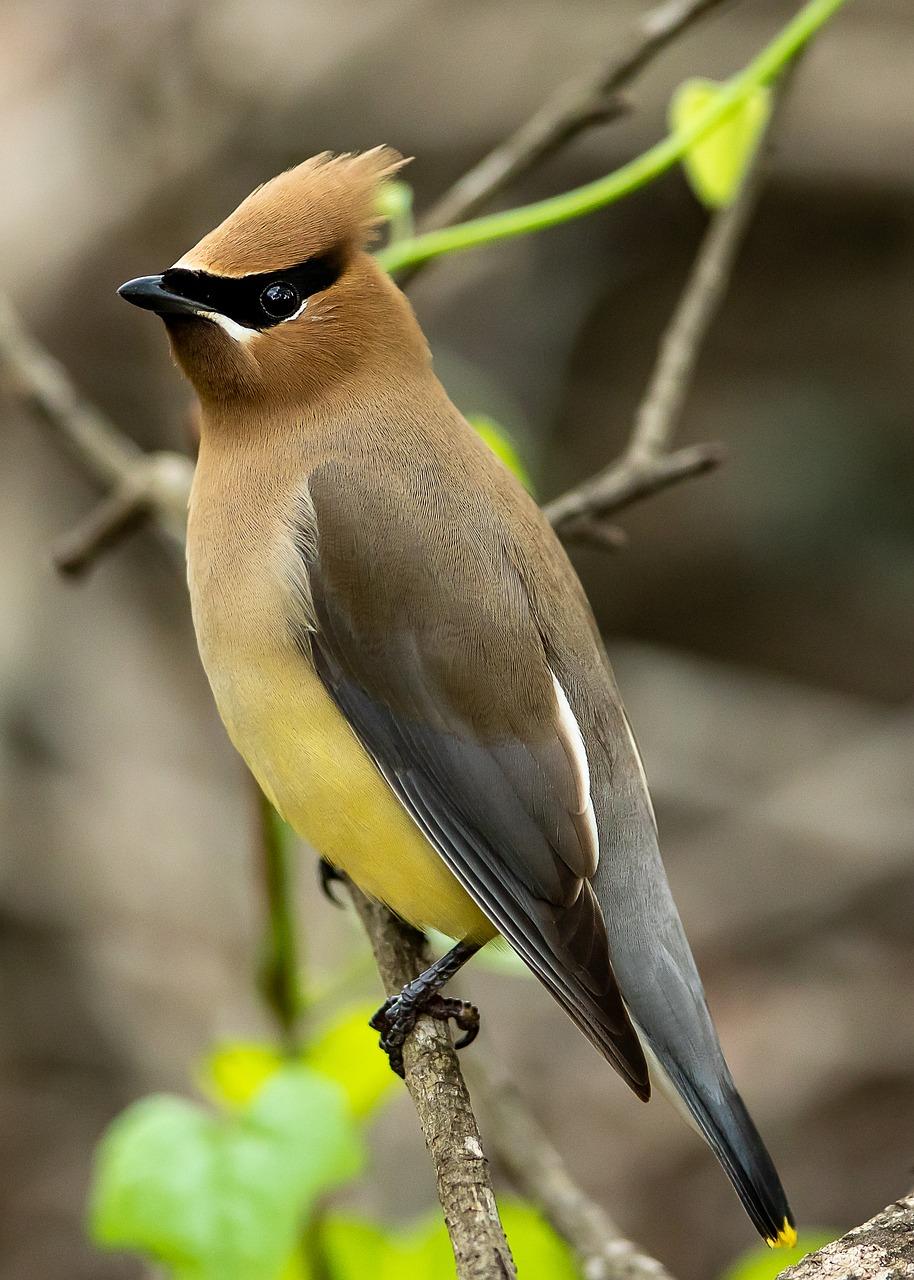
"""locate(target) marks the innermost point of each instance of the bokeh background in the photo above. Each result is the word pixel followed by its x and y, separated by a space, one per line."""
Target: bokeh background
pixel 761 620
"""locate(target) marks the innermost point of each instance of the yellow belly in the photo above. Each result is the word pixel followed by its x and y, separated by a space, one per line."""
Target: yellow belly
pixel 319 777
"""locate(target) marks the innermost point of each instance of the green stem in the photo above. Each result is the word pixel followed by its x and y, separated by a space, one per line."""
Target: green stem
pixel 637 173
pixel 280 979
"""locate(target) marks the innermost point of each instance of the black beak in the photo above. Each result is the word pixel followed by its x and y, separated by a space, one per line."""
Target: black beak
pixel 149 293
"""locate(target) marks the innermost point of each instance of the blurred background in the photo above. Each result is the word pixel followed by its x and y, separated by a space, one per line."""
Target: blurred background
pixel 761 620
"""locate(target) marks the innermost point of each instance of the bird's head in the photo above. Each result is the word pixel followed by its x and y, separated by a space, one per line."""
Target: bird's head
pixel 281 301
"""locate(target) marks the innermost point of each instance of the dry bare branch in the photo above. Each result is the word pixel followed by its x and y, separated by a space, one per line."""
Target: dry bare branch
pixel 139 483
pixel 881 1249
pixel 647 465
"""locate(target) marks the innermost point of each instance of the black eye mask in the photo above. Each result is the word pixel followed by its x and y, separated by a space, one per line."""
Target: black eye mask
pixel 256 301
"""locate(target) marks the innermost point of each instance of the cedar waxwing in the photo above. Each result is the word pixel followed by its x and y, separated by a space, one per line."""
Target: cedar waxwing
pixel 403 654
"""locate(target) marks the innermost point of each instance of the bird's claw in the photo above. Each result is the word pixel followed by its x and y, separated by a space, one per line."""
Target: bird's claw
pixel 329 875
pixel 398 1015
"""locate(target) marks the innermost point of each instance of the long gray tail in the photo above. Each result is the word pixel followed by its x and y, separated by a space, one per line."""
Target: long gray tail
pixel 663 992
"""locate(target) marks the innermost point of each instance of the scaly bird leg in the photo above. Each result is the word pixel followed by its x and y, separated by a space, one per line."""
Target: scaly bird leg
pixel 399 1014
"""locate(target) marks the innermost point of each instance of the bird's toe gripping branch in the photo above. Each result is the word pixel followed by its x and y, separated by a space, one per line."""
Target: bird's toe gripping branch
pixel 397 1017
pixel 399 1014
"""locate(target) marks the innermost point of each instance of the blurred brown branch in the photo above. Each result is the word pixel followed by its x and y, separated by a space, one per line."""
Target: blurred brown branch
pixel 881 1249
pixel 139 484
pixel 538 1170
pixel 647 464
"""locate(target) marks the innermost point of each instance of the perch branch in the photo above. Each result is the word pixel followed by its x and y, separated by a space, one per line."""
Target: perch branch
pixel 881 1249
pixel 443 1106
pixel 539 1172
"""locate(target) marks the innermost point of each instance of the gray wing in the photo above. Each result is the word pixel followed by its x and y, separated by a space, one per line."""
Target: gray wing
pixel 432 654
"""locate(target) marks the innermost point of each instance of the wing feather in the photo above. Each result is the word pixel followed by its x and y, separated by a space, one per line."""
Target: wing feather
pixel 493 779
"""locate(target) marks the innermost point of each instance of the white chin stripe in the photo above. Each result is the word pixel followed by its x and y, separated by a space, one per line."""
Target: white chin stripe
pixel 231 327
pixel 573 742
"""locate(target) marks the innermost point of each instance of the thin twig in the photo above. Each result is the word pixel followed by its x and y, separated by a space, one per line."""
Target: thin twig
pixel 881 1249
pixel 153 484
pixel 138 482
pixel 539 1172
pixel 443 1106
pixel 32 376
pixel 576 106
pixel 647 466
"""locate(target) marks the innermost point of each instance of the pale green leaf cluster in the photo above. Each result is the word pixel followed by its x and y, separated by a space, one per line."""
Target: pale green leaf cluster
pixel 222 1197
pixel 344 1050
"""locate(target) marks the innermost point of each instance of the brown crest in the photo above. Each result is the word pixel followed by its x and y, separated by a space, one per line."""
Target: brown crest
pixel 325 203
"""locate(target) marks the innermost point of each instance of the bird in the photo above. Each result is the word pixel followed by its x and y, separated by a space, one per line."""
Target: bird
pixel 404 656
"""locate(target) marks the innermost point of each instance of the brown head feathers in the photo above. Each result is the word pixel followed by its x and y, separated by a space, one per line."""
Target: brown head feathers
pixel 281 303
pixel 326 203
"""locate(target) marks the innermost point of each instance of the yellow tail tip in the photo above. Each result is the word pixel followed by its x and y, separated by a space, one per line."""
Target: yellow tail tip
pixel 786 1238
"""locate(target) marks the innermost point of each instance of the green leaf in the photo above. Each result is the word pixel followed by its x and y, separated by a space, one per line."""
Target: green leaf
pixel 346 1051
pixel 502 446
pixel 763 1263
pixel 354 1248
pixel 394 204
pixel 233 1074
pixel 715 165
pixel 539 1253
pixel 222 1197
pixel 296 1268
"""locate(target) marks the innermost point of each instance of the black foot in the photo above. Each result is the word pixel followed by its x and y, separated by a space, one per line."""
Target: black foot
pixel 397 1016
pixel 329 875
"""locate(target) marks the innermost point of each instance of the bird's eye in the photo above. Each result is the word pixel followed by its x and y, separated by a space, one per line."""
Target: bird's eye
pixel 280 300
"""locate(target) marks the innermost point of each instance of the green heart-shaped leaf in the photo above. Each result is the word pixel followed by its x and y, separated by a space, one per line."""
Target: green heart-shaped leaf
pixel 346 1050
pixel 715 165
